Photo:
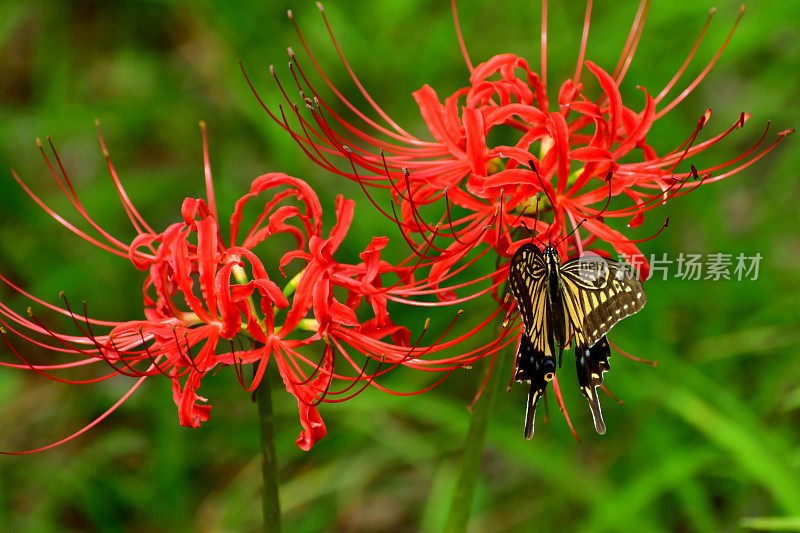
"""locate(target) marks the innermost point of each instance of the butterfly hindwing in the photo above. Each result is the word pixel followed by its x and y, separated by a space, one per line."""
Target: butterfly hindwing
pixel 533 366
pixel 591 362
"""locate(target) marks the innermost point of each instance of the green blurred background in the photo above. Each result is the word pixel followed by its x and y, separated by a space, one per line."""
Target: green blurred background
pixel 705 442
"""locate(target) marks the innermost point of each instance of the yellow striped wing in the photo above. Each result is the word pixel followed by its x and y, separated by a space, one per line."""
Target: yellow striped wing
pixel 597 293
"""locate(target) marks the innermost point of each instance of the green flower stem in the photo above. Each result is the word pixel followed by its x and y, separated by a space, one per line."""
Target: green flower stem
pixel 270 503
pixel 472 456
pixel 269 461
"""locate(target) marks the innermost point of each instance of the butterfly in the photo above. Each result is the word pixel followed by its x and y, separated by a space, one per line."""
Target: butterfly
pixel 577 302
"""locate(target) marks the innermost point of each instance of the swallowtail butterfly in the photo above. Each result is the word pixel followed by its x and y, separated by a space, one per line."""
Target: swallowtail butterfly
pixel 578 301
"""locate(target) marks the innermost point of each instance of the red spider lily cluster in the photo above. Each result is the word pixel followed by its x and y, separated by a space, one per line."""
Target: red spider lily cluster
pixel 209 300
pixel 576 141
pixel 206 294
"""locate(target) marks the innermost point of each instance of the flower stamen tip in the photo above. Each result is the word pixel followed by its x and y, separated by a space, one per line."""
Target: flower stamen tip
pixel 202 125
pixel 319 6
pixel 38 142
pixel 289 14
pixel 30 312
pixel 704 119
pixel 290 51
pixel 784 133
pixel 743 118
pixel 272 70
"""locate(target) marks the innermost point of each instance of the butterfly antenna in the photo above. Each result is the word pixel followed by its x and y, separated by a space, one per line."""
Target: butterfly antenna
pixel 536 217
pixel 547 194
pixel 599 213
pixel 571 232
pixel 533 233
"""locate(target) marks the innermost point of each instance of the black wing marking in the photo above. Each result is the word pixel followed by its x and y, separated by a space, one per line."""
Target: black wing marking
pixel 598 293
pixel 539 370
pixel 535 359
pixel 592 362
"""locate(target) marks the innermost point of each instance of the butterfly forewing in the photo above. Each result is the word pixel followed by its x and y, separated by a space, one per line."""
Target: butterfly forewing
pixel 597 294
pixel 527 276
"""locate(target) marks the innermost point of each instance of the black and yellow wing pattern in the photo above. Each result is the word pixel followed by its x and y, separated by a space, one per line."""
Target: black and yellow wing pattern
pixel 598 293
pixel 535 361
pixel 576 302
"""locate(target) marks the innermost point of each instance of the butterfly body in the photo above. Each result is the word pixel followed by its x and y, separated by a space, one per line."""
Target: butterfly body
pixel 576 302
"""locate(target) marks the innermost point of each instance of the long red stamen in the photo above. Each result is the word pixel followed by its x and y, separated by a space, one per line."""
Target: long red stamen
pixel 688 59
pixel 460 36
pixel 562 407
pixel 73 196
pixel 483 383
pixel 58 218
pixel 357 82
pixel 632 357
pixel 87 427
pixel 704 72
pixel 39 368
pixel 632 43
pixel 543 42
pixel 619 402
pixel 584 39
pixel 210 196
pixel 136 219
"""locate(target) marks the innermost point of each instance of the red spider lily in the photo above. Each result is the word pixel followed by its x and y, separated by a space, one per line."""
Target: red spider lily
pixel 206 291
pixel 576 140
pixel 573 153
